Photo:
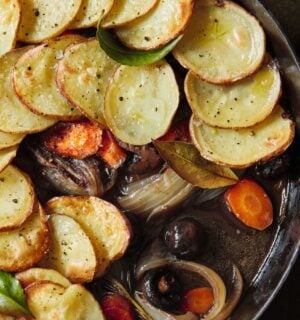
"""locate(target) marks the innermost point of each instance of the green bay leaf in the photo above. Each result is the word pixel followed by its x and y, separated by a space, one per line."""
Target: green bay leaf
pixel 186 161
pixel 12 296
pixel 126 56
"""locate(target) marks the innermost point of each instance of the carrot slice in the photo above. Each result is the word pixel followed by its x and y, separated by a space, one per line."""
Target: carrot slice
pixel 79 139
pixel 178 132
pixel 198 300
pixel 249 202
pixel 115 307
pixel 111 152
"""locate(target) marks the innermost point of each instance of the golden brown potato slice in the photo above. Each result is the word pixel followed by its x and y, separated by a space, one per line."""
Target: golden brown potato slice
pixel 10 140
pixel 10 15
pixel 90 12
pixel 43 19
pixel 140 102
pixel 14 116
pixel 222 44
pixel 34 79
pixel 7 156
pixel 28 277
pixel 240 148
pixel 82 77
pixel 238 105
pixel 160 25
pixel 21 248
pixel 49 301
pixel 71 252
pixel 107 228
pixel 17 198
pixel 125 11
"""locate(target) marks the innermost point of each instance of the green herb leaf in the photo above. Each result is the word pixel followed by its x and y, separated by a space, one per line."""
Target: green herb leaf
pixel 12 296
pixel 123 55
pixel 186 161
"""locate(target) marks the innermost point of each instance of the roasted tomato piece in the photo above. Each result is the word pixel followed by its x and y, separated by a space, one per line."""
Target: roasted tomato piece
pixel 79 139
pixel 178 132
pixel 115 307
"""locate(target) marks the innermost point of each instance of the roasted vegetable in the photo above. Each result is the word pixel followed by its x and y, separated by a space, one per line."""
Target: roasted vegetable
pixel 115 307
pixel 198 300
pixel 6 156
pixel 248 201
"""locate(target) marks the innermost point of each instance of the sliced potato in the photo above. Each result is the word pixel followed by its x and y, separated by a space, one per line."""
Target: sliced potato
pixel 21 248
pixel 140 102
pixel 104 224
pixel 90 12
pixel 71 252
pixel 14 116
pixel 124 11
pixel 241 104
pixel 43 19
pixel 16 198
pixel 52 301
pixel 147 32
pixel 82 77
pixel 222 44
pixel 28 277
pixel 43 300
pixel 240 148
pixel 9 139
pixel 7 156
pixel 35 84
pixel 10 15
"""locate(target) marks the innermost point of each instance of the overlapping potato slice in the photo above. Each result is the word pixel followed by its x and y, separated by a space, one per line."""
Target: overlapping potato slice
pixel 9 139
pixel 163 23
pixel 10 15
pixel 124 11
pixel 25 246
pixel 104 224
pixel 241 104
pixel 222 44
pixel 71 252
pixel 30 276
pixel 6 156
pixel 43 19
pixel 240 148
pixel 35 83
pixel 140 102
pixel 49 301
pixel 14 116
pixel 90 12
pixel 82 77
pixel 16 198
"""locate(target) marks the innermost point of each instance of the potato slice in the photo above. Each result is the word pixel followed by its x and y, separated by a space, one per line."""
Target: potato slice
pixel 240 148
pixel 52 301
pixel 7 156
pixel 21 248
pixel 16 198
pixel 222 44
pixel 82 77
pixel 90 12
pixel 28 277
pixel 14 116
pixel 9 139
pixel 124 11
pixel 147 33
pixel 140 102
pixel 241 104
pixel 71 252
pixel 43 19
pixel 107 228
pixel 10 15
pixel 37 87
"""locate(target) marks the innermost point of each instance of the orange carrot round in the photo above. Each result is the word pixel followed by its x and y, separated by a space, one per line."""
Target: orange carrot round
pixel 198 300
pixel 249 202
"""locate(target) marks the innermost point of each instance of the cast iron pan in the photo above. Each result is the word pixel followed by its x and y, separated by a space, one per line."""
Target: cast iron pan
pixel 286 240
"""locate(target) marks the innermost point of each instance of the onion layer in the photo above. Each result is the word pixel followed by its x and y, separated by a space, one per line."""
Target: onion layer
pixel 155 194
